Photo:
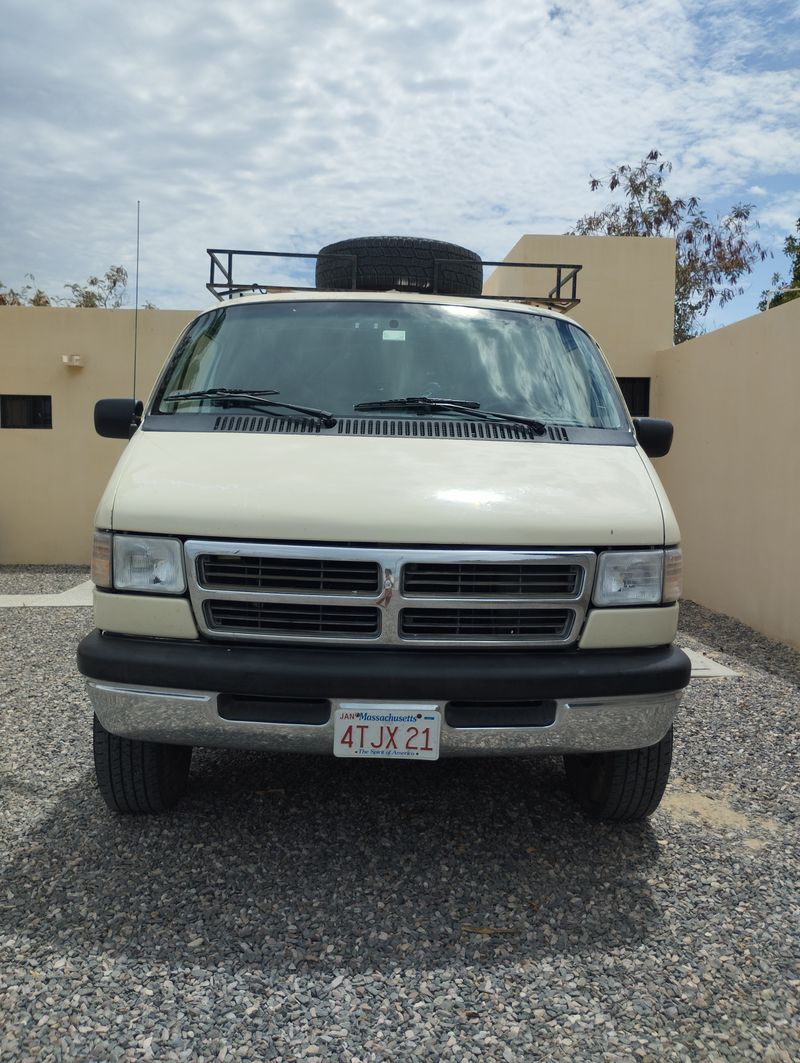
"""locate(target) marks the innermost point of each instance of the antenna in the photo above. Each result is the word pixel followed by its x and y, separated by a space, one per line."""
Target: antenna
pixel 136 300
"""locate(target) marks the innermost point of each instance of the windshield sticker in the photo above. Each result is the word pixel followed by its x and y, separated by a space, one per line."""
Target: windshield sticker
pixel 394 334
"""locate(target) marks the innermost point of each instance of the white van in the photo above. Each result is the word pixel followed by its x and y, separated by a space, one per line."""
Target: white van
pixel 400 520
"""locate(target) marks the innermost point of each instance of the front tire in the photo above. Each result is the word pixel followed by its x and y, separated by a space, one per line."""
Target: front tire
pixel 621 786
pixel 139 777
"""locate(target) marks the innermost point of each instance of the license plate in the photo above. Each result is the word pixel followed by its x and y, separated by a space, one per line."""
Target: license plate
pixel 387 730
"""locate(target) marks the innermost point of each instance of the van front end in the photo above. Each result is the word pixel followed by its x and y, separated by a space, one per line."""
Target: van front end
pixel 305 549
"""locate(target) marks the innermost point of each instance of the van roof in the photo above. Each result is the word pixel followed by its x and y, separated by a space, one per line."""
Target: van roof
pixel 284 295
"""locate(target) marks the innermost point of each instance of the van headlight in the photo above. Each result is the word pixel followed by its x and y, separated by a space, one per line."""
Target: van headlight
pixel 638 577
pixel 142 563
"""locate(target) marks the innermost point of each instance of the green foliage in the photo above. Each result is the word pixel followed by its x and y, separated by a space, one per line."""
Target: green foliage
pixel 108 292
pixel 710 257
pixel 28 295
pixel 783 291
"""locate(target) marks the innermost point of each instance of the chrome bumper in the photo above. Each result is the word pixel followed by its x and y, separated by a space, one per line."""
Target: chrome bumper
pixel 190 717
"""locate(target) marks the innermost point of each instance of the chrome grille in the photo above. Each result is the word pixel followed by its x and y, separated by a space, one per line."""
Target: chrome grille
pixel 388 595
pixel 248 617
pixel 492 580
pixel 508 625
pixel 302 574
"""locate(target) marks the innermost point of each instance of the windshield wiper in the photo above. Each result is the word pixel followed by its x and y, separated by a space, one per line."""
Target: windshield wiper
pixel 252 397
pixel 414 401
pixel 423 402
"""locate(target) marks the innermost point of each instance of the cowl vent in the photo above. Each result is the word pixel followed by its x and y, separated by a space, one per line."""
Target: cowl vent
pixel 281 425
pixel 389 427
pixel 432 429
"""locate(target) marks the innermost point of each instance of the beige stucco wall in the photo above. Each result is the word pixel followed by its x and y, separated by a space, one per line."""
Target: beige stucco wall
pixel 626 290
pixel 733 475
pixel 51 479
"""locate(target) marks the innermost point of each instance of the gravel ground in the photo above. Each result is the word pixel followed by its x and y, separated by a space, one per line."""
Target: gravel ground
pixel 311 908
pixel 41 579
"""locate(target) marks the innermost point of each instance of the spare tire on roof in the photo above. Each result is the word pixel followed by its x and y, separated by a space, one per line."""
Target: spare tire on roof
pixel 407 263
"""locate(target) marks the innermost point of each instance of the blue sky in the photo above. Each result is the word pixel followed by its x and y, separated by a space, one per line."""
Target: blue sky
pixel 284 125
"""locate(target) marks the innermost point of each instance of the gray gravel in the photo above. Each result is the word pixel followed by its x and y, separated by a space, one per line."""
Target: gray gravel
pixel 311 908
pixel 41 579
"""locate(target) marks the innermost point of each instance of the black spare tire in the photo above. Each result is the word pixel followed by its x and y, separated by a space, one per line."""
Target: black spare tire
pixel 407 263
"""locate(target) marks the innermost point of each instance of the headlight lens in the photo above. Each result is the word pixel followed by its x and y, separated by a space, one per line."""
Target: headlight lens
pixel 144 564
pixel 629 578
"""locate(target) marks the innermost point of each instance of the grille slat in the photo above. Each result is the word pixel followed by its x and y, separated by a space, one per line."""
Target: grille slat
pixel 492 580
pixel 510 624
pixel 274 618
pixel 289 574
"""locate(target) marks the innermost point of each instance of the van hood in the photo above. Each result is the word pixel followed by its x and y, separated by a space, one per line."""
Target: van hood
pixel 366 490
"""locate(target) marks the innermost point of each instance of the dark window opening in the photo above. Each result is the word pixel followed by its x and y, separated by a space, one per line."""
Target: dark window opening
pixel 26 411
pixel 636 392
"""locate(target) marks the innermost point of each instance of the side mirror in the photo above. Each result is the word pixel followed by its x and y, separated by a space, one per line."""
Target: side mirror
pixel 117 418
pixel 654 435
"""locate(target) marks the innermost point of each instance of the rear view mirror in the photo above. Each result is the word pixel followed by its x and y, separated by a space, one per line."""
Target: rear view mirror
pixel 654 435
pixel 117 418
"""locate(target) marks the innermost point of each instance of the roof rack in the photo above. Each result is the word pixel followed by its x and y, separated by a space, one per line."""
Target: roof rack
pixel 561 296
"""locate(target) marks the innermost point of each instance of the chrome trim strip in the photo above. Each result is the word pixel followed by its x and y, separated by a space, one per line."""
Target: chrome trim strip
pixel 583 725
pixel 390 599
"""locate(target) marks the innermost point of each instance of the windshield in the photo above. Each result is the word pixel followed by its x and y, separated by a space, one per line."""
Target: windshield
pixel 334 354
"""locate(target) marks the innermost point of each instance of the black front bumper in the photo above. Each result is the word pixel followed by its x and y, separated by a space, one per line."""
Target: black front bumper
pixel 404 674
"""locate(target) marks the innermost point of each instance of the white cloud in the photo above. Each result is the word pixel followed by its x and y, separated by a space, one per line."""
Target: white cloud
pixel 782 212
pixel 282 125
